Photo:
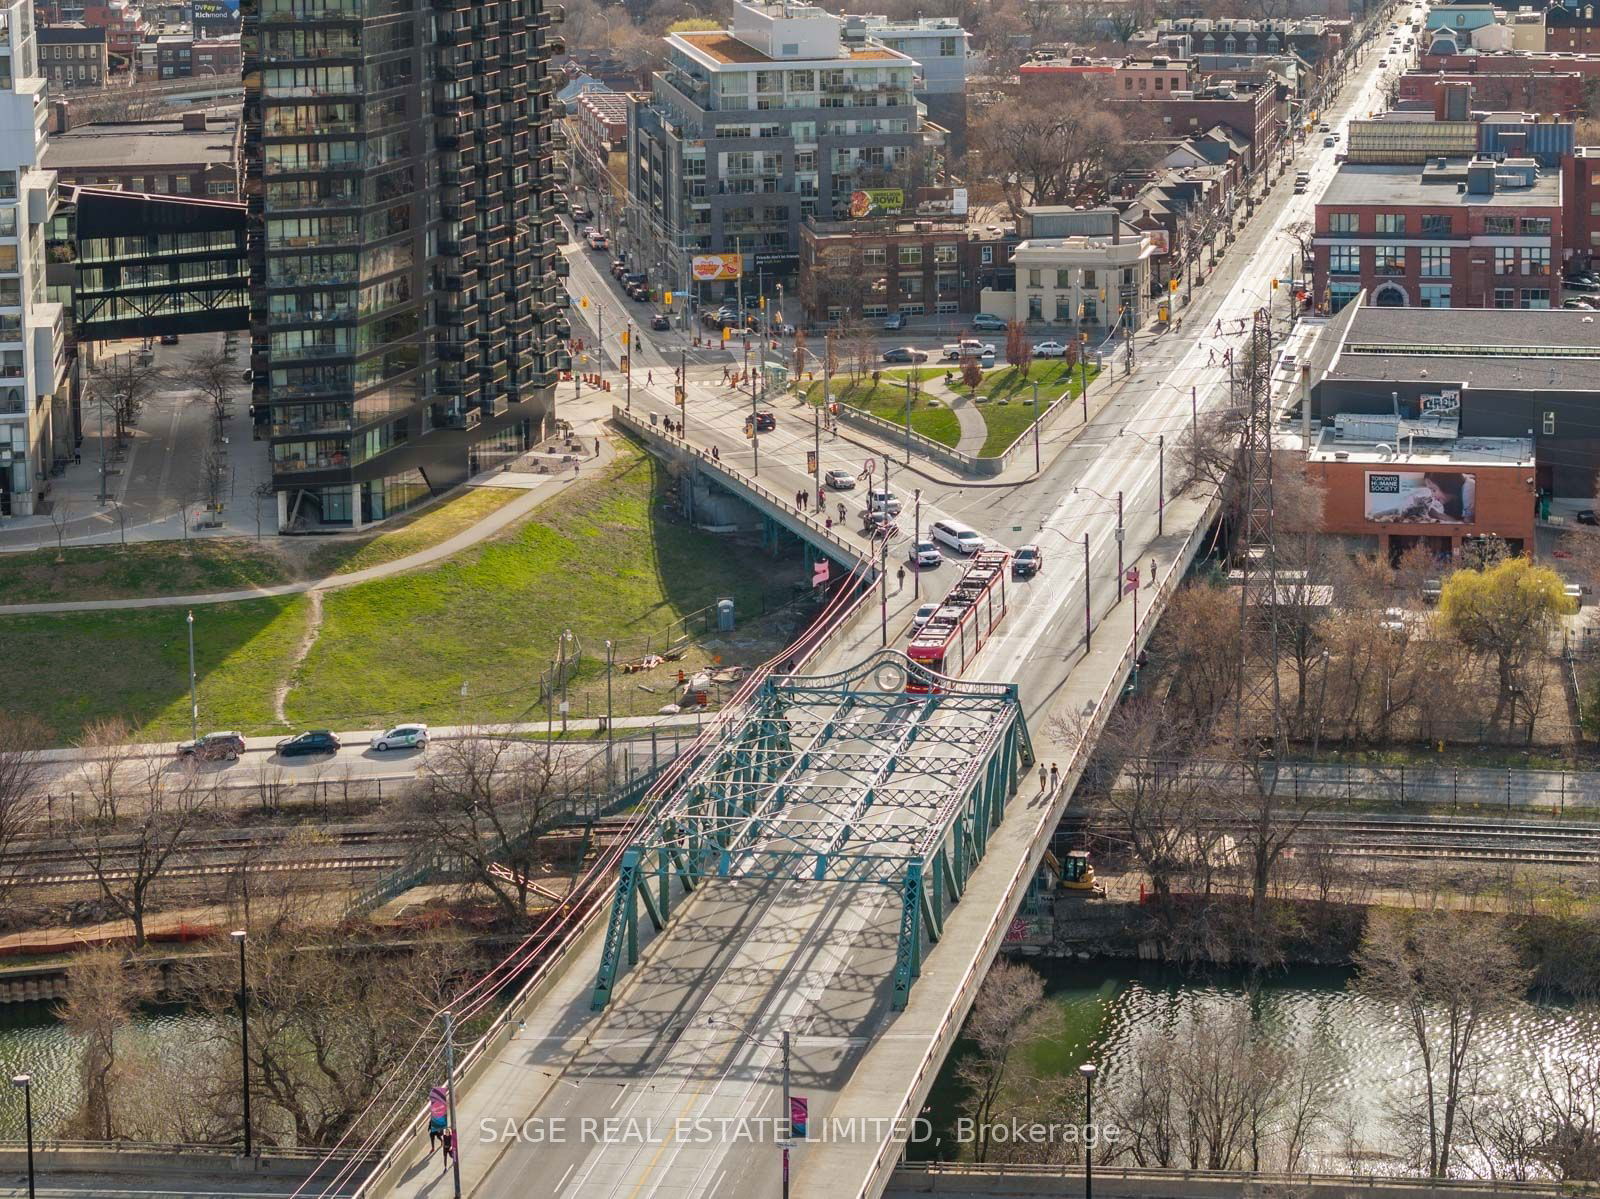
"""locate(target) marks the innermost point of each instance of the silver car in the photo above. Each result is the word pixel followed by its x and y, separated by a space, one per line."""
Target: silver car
pixel 402 736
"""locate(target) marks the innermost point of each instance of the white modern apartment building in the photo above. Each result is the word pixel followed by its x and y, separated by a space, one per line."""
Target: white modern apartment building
pixel 753 128
pixel 940 48
pixel 35 427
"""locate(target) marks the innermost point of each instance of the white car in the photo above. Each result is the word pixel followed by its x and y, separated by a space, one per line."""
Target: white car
pixel 402 736
pixel 879 500
pixel 1049 349
pixel 924 553
pixel 840 480
pixel 923 615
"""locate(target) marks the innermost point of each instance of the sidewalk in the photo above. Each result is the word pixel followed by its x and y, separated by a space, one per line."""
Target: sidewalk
pixel 1052 440
pixel 537 488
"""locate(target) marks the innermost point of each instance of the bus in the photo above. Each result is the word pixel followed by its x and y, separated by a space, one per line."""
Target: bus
pixel 971 611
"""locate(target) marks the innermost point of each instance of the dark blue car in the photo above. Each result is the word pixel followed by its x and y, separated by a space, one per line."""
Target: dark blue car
pixel 317 741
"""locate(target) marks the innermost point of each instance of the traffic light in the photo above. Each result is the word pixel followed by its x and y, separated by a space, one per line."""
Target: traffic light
pixel 583 301
pixel 1172 285
pixel 666 298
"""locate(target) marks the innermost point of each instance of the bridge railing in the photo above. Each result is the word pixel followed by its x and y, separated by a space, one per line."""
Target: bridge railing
pixel 979 968
pixel 969 1178
pixel 818 525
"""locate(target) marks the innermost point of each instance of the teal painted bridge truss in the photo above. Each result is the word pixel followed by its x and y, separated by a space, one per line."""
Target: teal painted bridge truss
pixel 846 778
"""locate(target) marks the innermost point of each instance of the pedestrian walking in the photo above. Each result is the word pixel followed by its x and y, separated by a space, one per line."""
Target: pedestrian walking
pixel 597 447
pixel 649 378
pixel 821 500
pixel 841 513
pixel 724 374
pixel 449 1147
pixel 716 454
pixel 901 576
pixel 574 468
pixel 1044 778
pixel 1055 777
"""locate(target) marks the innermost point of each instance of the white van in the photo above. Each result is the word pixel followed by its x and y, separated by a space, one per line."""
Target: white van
pixel 964 539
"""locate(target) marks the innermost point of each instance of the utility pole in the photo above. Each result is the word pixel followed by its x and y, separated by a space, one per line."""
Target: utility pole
pixel 883 581
pixel 909 375
pixel 194 702
pixel 1088 603
pixel 627 356
pixel 1161 484
pixel 683 391
pixel 609 739
pixel 1194 415
pixel 450 1091
pixel 1036 426
pixel 600 344
pixel 788 1115
pixel 816 451
pixel 916 536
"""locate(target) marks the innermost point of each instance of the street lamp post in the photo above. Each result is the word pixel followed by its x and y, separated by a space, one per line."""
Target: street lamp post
pixel 1087 1070
pixel 194 702
pixel 916 537
pixel 450 1093
pixel 1161 476
pixel 1103 496
pixel 25 1081
pixel 1088 603
pixel 609 739
pixel 244 1044
pixel 785 1120
pixel 1036 426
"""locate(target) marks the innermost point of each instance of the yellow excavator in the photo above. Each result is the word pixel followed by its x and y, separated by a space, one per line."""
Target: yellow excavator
pixel 1077 874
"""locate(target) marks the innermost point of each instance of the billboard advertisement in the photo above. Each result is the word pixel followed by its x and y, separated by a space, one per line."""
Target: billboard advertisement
pixel 1158 241
pixel 213 9
pixel 1435 497
pixel 877 201
pixel 709 268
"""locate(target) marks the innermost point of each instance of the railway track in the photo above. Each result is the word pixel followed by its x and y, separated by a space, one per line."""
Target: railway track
pixel 1422 838
pixel 353 849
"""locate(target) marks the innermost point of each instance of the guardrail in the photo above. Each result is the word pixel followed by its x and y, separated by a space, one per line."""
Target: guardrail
pixel 969 1178
pixel 818 527
pixel 989 944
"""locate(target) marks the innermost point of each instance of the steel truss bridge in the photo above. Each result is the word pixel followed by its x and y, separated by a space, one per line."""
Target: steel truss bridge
pixel 838 778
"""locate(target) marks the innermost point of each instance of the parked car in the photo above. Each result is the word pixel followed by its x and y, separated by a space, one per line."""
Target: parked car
pixel 923 615
pixel 402 736
pixel 1581 303
pixel 1328 139
pixel 782 329
pixel 1586 516
pixel 924 553
pixel 765 421
pixel 660 322
pixel 840 480
pixel 317 741
pixel 618 268
pixel 212 746
pixel 897 320
pixel 1323 127
pixel 879 524
pixel 1578 283
pixel 1050 349
pixel 1027 562
pixel 580 213
pixel 989 323
pixel 904 354
pixel 169 339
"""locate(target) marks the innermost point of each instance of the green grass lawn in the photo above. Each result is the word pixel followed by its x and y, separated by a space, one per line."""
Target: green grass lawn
pixel 409 536
pixel 143 568
pixel 1010 420
pixel 603 559
pixel 78 667
pixel 886 400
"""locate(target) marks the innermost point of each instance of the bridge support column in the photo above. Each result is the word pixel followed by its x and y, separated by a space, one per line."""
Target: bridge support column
pixel 622 930
pixel 908 954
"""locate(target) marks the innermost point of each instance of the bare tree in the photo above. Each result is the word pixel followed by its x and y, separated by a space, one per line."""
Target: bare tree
pixel 213 373
pixel 1019 352
pixel 1444 972
pixel 123 385
pixel 103 991
pixel 213 476
pixel 60 519
pixel 486 799
pixel 108 750
pixel 128 856
pixel 1004 1016
pixel 22 778
pixel 326 1029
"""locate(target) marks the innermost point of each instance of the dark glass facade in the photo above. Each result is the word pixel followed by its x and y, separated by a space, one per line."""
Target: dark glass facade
pixel 402 273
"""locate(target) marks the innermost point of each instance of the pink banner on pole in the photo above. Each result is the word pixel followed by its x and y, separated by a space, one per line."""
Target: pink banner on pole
pixel 438 1102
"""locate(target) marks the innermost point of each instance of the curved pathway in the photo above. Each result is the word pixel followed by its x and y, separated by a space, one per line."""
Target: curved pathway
pixel 974 429
pixel 542 487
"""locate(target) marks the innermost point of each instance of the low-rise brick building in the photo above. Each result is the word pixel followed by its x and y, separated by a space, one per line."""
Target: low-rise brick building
pixel 1454 233
pixel 915 265
pixel 73 56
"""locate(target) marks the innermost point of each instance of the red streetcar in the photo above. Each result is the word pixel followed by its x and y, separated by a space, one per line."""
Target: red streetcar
pixel 974 608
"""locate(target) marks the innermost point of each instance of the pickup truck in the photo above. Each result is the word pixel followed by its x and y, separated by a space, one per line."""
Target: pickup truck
pixel 969 347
